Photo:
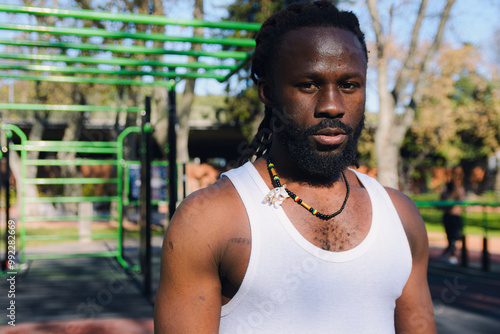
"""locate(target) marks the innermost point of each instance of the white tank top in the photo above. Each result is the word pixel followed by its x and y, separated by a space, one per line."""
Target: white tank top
pixel 292 286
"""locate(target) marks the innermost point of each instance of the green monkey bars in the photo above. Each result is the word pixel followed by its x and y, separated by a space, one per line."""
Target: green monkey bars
pixel 111 62
pixel 220 70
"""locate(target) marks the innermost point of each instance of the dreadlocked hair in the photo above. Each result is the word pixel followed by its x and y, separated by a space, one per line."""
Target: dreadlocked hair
pixel 268 42
pixel 261 142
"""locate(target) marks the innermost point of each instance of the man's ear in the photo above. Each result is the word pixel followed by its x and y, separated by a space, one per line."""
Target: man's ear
pixel 265 92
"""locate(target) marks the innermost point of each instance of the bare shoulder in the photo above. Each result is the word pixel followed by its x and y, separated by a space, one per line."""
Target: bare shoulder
pixel 411 219
pixel 207 213
pixel 217 198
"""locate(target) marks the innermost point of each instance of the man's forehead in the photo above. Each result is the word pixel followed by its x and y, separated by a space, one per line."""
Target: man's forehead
pixel 326 40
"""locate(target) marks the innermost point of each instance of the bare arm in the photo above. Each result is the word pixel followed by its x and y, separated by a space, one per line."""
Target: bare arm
pixel 189 293
pixel 414 311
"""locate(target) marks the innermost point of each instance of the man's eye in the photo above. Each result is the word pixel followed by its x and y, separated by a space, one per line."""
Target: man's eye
pixel 349 86
pixel 307 86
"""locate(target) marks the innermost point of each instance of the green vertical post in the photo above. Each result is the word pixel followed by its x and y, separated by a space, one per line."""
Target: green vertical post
pixel 121 165
pixel 5 181
pixel 22 208
pixel 9 129
pixel 119 203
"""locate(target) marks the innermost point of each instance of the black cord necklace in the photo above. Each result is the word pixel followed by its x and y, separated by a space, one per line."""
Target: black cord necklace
pixel 276 180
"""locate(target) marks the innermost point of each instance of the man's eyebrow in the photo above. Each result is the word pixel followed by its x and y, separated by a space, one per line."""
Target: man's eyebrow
pixel 352 75
pixel 310 74
pixel 343 76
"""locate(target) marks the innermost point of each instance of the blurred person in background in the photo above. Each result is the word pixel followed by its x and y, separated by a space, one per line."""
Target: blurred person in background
pixel 454 190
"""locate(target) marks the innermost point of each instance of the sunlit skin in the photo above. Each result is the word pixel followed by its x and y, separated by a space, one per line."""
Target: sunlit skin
pixel 319 73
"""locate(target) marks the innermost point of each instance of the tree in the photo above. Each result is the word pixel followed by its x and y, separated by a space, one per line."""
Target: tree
pixel 188 96
pixel 407 90
pixel 457 120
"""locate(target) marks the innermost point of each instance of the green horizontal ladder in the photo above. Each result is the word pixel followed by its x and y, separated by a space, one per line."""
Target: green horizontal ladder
pixel 66 107
pixel 133 18
pixel 89 32
pixel 95 70
pixel 112 61
pixel 239 55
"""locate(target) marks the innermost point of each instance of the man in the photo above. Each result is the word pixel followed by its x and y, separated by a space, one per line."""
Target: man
pixel 454 190
pixel 248 255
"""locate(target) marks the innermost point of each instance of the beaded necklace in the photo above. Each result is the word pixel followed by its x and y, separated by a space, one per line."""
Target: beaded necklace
pixel 278 192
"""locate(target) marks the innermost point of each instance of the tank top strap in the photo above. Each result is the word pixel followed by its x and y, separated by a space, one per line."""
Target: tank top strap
pixel 250 191
pixel 381 197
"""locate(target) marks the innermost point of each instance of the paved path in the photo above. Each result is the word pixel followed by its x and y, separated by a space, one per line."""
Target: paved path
pixel 466 300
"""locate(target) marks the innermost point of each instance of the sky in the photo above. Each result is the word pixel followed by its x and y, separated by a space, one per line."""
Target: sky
pixel 471 21
pixel 474 22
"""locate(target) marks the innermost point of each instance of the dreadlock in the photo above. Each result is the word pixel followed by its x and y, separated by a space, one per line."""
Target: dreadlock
pixel 268 41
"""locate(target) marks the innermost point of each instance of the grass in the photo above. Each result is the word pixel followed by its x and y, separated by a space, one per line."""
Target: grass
pixel 474 221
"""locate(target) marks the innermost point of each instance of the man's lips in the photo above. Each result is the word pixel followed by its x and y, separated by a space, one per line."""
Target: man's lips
pixel 330 136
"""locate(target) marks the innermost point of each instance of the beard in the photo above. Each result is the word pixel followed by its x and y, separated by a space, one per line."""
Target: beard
pixel 320 162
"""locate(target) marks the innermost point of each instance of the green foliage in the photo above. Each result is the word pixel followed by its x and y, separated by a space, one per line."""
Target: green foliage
pixel 478 128
pixel 366 144
pixel 88 190
pixel 244 108
pixel 458 121
pixel 242 102
pixel 254 11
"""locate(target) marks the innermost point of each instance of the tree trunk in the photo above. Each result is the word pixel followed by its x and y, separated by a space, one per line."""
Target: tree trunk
pixel 386 150
pixel 15 169
pixel 392 128
pixel 497 175
pixel 187 99
pixel 184 112
pixel 72 133
pixel 159 117
pixel 497 183
pixel 186 103
pixel 36 133
pixel 130 142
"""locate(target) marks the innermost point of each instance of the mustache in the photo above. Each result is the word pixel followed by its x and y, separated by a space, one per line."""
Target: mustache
pixel 325 124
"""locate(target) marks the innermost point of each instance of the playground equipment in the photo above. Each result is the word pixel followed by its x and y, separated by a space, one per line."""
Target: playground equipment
pixel 223 58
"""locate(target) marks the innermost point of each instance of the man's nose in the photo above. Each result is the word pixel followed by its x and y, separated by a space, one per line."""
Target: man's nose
pixel 329 103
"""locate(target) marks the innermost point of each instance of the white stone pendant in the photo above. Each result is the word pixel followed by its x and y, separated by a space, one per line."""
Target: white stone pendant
pixel 276 196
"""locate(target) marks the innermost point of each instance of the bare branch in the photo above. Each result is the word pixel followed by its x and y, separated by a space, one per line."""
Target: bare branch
pixel 403 75
pixel 419 84
pixel 377 28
